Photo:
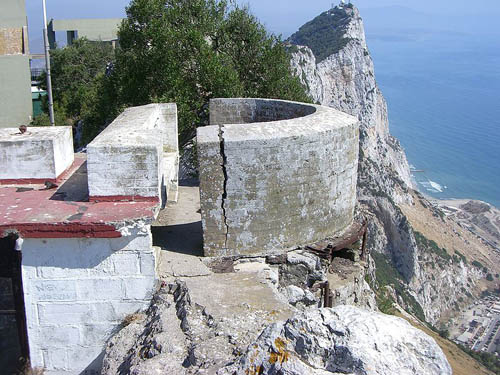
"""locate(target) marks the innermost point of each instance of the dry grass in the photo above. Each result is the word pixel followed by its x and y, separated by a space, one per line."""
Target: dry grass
pixel 460 362
pixel 450 235
pixel 27 370
pixel 130 318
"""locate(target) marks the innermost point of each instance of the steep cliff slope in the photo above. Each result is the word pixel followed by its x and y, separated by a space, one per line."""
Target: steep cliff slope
pixel 331 57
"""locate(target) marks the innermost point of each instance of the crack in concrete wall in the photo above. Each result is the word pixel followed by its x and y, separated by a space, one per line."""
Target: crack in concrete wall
pixel 224 191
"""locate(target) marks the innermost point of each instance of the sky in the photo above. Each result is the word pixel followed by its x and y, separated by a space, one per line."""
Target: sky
pixel 286 16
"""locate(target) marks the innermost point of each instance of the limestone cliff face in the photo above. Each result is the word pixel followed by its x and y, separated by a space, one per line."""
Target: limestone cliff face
pixel 342 76
pixel 345 80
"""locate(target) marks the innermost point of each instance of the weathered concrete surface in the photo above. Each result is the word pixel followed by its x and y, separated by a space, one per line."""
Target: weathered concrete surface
pixel 178 228
pixel 276 184
pixel 135 156
pixel 64 212
pixel 40 153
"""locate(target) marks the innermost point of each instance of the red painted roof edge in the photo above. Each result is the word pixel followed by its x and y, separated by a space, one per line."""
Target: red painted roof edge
pixel 63 230
pixel 123 198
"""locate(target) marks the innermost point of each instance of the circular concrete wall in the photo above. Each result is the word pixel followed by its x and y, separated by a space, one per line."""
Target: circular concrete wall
pixel 275 174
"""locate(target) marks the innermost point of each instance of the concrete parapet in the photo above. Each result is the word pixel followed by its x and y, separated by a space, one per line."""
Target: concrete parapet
pixel 41 153
pixel 136 157
pixel 284 178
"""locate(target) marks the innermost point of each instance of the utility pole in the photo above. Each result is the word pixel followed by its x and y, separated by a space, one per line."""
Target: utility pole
pixel 47 65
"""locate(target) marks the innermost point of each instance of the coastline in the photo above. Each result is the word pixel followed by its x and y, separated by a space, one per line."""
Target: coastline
pixel 480 218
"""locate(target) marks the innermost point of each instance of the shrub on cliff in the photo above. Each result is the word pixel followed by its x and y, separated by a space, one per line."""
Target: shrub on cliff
pixel 325 34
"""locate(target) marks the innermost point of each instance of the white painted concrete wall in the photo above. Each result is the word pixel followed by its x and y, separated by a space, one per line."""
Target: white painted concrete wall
pixel 77 292
pixel 127 158
pixel 40 153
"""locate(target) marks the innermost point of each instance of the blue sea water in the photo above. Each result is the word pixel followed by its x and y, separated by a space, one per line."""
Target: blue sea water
pixel 443 95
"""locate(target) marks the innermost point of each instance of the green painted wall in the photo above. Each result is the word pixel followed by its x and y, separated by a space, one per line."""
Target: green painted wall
pixel 15 91
pixel 12 13
pixel 15 76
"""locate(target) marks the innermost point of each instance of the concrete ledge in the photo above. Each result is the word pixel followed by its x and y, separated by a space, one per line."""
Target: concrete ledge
pixel 126 161
pixel 42 153
pixel 269 185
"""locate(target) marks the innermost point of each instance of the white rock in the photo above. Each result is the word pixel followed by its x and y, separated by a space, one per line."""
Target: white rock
pixel 344 340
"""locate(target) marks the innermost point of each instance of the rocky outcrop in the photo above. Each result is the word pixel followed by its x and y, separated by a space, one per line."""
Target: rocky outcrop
pixel 342 340
pixel 302 273
pixel 179 336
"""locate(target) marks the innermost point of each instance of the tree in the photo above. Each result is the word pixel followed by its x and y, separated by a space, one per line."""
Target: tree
pixel 188 51
pixel 182 51
pixel 78 82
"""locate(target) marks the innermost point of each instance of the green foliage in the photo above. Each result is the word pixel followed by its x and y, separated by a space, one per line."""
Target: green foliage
pixel 76 70
pixel 425 244
pixel 78 76
pixel 489 277
pixel 324 35
pixel 61 119
pixel 385 303
pixel 488 360
pixel 477 264
pixel 387 274
pixel 190 51
pixel 461 256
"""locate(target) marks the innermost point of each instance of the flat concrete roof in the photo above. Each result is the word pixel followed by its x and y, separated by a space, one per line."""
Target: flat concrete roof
pixel 36 211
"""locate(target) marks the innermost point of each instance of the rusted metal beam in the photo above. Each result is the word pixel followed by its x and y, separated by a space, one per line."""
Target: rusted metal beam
pixel 363 246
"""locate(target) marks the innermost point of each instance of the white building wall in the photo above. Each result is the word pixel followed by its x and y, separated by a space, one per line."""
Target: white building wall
pixel 77 293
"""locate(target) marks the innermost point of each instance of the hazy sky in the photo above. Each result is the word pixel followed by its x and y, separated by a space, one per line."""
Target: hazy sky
pixel 285 16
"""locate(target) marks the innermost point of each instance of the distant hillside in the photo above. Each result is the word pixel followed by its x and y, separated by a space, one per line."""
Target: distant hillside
pixel 325 34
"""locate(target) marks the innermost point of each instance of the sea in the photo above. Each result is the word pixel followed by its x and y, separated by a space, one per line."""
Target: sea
pixel 443 95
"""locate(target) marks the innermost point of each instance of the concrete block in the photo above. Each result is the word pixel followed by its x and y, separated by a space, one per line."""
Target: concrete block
pixel 58 336
pixel 55 290
pixel 85 359
pixel 40 153
pixel 51 313
pixel 139 288
pixel 126 263
pixel 56 358
pixel 135 240
pixel 106 289
pixel 148 264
